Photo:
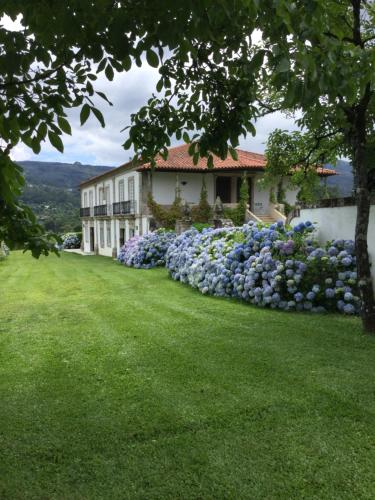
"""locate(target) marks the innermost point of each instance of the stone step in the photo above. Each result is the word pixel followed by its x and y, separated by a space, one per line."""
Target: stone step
pixel 267 219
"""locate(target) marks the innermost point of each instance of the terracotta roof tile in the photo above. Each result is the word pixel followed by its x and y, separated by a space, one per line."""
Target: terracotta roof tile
pixel 180 160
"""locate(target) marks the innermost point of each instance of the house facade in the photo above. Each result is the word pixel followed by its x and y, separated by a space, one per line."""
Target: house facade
pixel 114 204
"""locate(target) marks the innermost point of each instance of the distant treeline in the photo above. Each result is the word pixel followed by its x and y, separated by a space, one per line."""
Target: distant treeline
pixel 52 192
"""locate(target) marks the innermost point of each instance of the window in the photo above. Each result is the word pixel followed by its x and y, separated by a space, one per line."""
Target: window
pixel 107 195
pixel 108 234
pixel 101 234
pixel 91 199
pixel 101 196
pixel 121 191
pixel 85 200
pixel 131 188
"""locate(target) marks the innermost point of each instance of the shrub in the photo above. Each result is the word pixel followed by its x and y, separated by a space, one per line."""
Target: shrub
pixel 199 226
pixel 238 214
pixel 234 215
pixel 146 251
pixel 165 217
pixel 202 213
pixel 274 266
pixel 71 240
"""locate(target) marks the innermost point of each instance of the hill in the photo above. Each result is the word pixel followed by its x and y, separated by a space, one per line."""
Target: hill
pixel 344 180
pixel 52 191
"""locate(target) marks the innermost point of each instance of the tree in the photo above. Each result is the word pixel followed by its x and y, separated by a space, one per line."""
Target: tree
pixel 49 67
pixel 202 212
pixel 315 58
pixel 244 198
pixel 222 65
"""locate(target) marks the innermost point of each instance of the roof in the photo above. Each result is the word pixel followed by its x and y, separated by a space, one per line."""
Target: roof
pixel 179 160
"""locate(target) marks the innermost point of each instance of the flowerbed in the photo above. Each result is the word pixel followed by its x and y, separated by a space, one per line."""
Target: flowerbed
pixel 268 266
pixel 146 251
pixel 71 240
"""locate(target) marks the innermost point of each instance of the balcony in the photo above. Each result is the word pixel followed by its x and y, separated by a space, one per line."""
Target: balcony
pixel 85 212
pixel 101 211
pixel 124 207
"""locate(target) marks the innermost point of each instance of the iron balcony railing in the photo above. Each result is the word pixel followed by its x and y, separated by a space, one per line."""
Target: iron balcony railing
pixel 124 207
pixel 85 212
pixel 101 210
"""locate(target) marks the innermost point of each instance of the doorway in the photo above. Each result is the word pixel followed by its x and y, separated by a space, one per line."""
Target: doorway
pixel 92 239
pixel 223 188
pixel 122 236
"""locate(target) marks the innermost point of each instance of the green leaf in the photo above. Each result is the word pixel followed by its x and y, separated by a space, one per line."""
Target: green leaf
pixel 89 87
pixel 159 85
pixel 64 125
pixel 233 153
pixel 127 63
pixel 109 72
pixel 42 130
pixel 152 58
pixel 186 137
pixel 103 96
pixel 85 113
pixel 56 141
pixel 35 144
pixel 191 149
pixel 127 144
pixel 283 65
pixel 99 116
pixel 118 67
pixel 102 64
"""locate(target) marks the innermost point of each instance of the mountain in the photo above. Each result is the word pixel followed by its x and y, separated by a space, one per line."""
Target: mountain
pixel 59 175
pixel 52 191
pixel 343 181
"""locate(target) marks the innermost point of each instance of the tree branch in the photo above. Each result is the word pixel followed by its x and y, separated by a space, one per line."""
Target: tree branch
pixel 318 140
pixel 38 77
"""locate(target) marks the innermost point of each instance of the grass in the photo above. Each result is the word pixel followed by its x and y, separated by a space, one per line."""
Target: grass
pixel 121 383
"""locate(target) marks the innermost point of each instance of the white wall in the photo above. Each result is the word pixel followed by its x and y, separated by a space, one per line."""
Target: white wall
pixel 339 223
pixel 261 197
pixel 164 186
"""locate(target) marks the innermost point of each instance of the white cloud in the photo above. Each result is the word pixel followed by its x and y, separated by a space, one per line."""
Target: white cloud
pixel 128 92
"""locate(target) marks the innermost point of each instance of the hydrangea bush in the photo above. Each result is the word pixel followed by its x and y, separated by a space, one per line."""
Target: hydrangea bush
pixel 271 266
pixel 71 240
pixel 146 251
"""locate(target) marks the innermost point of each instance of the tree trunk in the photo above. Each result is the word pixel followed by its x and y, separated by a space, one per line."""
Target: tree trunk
pixel 366 290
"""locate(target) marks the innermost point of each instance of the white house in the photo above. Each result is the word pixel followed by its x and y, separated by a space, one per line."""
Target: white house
pixel 114 204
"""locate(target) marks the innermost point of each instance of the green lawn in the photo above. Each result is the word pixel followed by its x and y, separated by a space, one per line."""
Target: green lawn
pixel 121 383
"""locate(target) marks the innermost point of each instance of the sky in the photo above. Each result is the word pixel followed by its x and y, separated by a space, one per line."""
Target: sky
pixel 92 144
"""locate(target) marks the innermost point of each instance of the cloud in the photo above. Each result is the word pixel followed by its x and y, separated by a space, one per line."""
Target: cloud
pixel 128 92
pixel 103 146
